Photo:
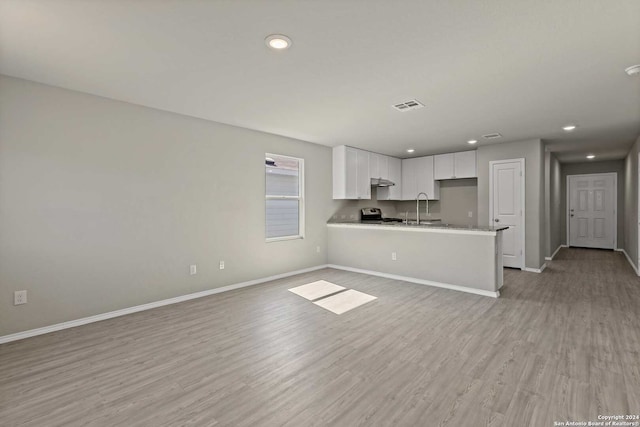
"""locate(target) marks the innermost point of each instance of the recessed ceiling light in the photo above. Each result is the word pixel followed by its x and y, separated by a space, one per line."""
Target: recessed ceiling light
pixel 410 150
pixel 278 42
pixel 569 128
pixel 634 69
pixel 472 141
pixel 591 156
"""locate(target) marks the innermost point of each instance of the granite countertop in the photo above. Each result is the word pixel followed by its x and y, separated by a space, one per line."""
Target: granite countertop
pixel 435 225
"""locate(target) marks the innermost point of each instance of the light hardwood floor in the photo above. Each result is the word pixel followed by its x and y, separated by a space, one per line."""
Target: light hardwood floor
pixel 561 345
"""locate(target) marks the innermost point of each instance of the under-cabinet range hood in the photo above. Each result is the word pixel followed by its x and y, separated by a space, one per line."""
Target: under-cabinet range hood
pixel 380 182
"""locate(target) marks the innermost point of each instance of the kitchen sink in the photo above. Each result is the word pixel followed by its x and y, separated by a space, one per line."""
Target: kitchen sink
pixel 424 223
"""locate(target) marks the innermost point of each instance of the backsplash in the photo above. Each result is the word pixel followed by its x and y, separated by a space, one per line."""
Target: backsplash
pixel 457 198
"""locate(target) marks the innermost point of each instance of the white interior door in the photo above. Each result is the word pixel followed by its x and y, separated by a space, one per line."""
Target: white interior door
pixel 507 208
pixel 592 210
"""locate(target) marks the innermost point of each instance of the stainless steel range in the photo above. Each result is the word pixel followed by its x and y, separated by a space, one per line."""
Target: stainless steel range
pixel 375 215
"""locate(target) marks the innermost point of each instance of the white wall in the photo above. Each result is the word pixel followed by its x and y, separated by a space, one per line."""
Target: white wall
pixel 553 197
pixel 104 205
pixel 533 153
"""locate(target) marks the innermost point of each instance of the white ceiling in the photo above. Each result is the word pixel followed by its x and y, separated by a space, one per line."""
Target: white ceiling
pixel 519 67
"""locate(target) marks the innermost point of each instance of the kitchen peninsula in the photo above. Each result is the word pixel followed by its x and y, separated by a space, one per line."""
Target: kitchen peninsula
pixel 463 258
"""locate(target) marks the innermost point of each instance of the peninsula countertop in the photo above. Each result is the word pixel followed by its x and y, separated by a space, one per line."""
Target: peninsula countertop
pixel 461 257
pixel 435 226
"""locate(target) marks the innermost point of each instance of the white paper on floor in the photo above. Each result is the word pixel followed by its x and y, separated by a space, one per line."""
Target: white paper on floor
pixel 316 290
pixel 345 301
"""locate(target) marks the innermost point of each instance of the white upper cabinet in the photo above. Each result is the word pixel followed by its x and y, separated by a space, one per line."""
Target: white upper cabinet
pixel 426 181
pixel 418 177
pixel 351 176
pixel 443 166
pixel 455 165
pixel 383 167
pixel 409 178
pixel 394 166
pixel 378 166
pixel 363 186
pixel 465 164
pixel 373 165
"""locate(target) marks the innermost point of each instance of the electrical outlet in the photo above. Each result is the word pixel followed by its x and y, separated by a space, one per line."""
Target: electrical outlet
pixel 221 265
pixel 393 256
pixel 318 249
pixel 19 297
pixel 470 214
pixel 352 216
pixel 193 269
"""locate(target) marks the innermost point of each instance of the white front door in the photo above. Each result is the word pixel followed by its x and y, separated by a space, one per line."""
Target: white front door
pixel 507 208
pixel 592 210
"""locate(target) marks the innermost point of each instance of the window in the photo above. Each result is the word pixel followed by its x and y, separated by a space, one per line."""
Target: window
pixel 284 196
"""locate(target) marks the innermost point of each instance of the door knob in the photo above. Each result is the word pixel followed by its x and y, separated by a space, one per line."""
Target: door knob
pixel 496 220
pixel 571 215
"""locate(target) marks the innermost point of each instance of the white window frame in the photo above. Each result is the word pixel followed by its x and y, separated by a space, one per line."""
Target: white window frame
pixel 299 197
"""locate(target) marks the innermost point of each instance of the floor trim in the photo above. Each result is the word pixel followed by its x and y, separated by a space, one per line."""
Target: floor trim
pixel 418 281
pixel 550 258
pixel 635 268
pixel 117 313
pixel 535 270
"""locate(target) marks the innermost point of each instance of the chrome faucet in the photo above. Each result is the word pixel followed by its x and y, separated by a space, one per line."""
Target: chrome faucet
pixel 418 206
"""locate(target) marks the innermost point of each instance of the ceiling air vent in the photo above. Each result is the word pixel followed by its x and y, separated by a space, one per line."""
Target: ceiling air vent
pixel 492 136
pixel 408 105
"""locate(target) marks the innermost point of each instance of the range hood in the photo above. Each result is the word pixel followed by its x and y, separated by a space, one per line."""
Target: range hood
pixel 380 182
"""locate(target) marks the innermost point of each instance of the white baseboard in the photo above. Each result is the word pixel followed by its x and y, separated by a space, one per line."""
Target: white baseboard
pixel 550 258
pixel 482 292
pixel 535 270
pixel 635 267
pixel 149 306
